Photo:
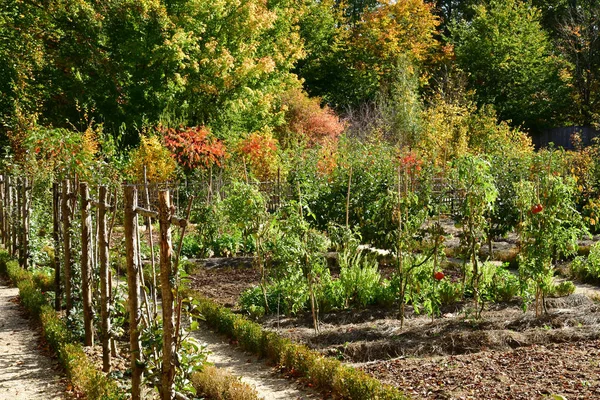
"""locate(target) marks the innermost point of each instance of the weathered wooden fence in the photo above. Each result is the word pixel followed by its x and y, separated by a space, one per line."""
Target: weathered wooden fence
pixel 562 137
pixel 94 233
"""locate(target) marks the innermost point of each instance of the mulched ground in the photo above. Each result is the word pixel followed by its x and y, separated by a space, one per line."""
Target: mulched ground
pixel 535 372
pixel 224 283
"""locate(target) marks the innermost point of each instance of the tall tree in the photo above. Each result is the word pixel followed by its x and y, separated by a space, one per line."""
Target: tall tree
pixel 579 42
pixel 510 62
pixel 364 56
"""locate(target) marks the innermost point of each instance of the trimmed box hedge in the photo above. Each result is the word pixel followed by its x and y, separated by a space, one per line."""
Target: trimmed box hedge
pixel 95 384
pixel 324 373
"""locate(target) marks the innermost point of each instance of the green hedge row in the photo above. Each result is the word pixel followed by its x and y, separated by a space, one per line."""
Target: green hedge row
pixel 80 370
pixel 324 373
pixel 218 384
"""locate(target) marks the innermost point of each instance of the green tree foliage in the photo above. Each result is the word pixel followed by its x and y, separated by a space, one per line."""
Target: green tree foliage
pixel 510 61
pixel 126 63
pixel 363 56
pixel 579 42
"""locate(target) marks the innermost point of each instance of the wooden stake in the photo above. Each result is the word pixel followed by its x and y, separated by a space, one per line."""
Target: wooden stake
pixel 166 279
pixel 86 264
pixel 56 238
pixel 2 217
pixel 66 220
pixel 104 277
pixel 151 243
pixel 7 210
pixel 19 222
pixel 348 198
pixel 133 283
pixel 14 221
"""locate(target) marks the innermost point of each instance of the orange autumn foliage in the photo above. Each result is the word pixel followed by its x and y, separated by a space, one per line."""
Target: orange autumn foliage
pixel 194 147
pixel 259 151
pixel 308 122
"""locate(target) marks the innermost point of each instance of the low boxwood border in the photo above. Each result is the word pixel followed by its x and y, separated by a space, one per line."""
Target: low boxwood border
pixel 326 374
pixel 95 384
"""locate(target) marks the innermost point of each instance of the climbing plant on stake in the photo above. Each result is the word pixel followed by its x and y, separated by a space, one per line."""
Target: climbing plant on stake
pixel 409 214
pixel 474 184
pixel 550 224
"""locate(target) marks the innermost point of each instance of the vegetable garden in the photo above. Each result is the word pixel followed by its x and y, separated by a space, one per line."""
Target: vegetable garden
pixel 347 190
pixel 361 251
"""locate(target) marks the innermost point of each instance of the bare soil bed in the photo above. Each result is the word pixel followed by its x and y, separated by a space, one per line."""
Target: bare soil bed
pixel 508 354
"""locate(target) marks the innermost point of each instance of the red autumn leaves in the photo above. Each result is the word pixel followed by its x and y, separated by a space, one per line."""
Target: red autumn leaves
pixel 194 147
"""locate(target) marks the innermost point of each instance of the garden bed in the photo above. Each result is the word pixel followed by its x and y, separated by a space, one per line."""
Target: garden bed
pixel 506 354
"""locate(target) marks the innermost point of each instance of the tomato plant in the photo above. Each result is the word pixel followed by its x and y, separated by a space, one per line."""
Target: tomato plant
pixel 474 184
pixel 551 228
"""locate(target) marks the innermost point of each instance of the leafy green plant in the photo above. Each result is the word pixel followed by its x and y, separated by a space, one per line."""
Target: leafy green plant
pixel 563 289
pixel 246 207
pixel 502 286
pixel 450 291
pixel 301 247
pixel 587 268
pixel 359 275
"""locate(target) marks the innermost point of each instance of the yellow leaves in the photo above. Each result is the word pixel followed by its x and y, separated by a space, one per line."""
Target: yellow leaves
pixel 398 28
pixel 445 131
pixel 89 143
pixel 160 166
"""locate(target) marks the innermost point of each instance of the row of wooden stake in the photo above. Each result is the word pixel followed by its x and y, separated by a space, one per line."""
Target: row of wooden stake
pixel 15 210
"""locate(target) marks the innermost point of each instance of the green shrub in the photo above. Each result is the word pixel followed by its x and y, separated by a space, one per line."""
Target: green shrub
pixel 587 268
pixel 31 297
pixel 216 384
pixel 44 281
pixel 82 372
pixel 55 330
pixel 92 382
pixel 191 247
pixel 4 259
pixel 386 293
pixel 325 373
pixel 563 289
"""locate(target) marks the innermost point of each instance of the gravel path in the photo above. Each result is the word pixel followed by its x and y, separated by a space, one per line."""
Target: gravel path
pixel 268 383
pixel 25 373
